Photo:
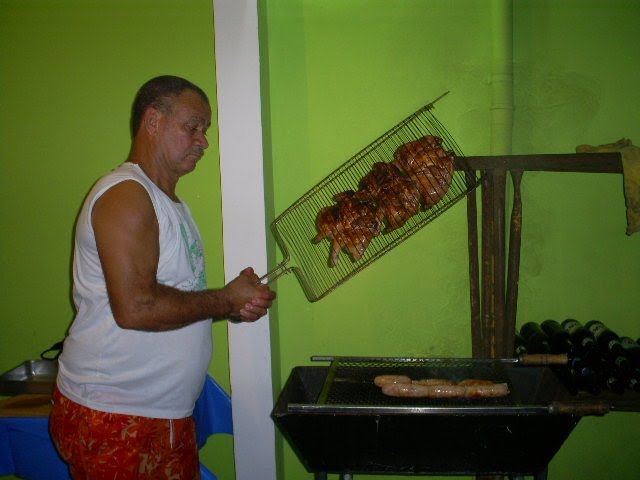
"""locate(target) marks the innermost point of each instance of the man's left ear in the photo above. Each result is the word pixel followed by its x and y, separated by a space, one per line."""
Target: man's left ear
pixel 151 120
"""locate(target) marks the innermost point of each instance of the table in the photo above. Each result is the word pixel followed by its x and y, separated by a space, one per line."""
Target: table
pixel 26 449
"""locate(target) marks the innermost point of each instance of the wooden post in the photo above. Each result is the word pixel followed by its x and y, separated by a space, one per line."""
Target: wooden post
pixel 494 285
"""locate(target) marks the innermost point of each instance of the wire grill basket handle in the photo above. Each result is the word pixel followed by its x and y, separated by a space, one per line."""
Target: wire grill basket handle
pixel 276 273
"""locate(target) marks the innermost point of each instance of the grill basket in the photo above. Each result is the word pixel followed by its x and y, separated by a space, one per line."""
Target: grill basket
pixel 295 228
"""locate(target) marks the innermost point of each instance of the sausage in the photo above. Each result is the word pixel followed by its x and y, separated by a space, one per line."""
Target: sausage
pixel 381 380
pixel 474 381
pixel 486 391
pixel 432 381
pixel 414 390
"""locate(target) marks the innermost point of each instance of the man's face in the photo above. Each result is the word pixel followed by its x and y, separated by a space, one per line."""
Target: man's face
pixel 182 134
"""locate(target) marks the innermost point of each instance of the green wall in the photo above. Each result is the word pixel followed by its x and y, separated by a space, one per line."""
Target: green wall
pixel 341 73
pixel 68 72
pixel 576 83
pixel 336 75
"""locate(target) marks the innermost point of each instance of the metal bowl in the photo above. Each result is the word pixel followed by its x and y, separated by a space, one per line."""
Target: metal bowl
pixel 32 376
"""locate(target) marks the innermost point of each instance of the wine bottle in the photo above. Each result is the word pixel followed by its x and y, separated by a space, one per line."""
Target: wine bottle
pixel 621 364
pixel 613 358
pixel 536 340
pixel 632 380
pixel 584 375
pixel 582 338
pixel 520 346
pixel 613 380
pixel 607 340
pixel 631 349
pixel 559 338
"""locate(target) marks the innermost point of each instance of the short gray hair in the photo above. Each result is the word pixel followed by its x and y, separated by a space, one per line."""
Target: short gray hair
pixel 157 93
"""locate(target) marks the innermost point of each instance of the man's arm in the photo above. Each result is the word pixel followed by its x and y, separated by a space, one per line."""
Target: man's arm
pixel 127 236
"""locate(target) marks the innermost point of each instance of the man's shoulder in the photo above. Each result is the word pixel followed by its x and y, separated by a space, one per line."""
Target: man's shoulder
pixel 127 172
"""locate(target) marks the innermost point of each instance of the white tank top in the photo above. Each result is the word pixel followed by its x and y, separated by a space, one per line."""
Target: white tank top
pixel 107 368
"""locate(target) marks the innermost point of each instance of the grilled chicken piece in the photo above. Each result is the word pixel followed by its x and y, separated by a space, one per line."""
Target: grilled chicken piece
pixel 327 222
pixel 429 165
pixel 396 195
pixel 350 224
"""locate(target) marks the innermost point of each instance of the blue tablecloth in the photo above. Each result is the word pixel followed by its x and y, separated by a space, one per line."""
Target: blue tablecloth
pixel 26 450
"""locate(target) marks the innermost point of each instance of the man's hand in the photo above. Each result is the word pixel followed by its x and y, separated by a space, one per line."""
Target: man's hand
pixel 249 299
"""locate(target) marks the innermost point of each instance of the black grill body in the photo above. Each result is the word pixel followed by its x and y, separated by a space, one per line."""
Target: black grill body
pixel 343 424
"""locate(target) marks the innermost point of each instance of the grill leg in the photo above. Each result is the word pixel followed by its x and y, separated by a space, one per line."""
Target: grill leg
pixel 323 476
pixel 542 474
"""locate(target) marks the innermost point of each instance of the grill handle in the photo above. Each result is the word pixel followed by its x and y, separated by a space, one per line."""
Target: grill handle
pixel 277 272
pixel 282 267
pixel 543 359
pixel 579 408
pixel 529 359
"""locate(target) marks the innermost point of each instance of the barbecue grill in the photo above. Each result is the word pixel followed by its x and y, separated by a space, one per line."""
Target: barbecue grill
pixel 338 421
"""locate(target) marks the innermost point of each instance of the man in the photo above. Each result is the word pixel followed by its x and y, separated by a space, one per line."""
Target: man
pixel 137 353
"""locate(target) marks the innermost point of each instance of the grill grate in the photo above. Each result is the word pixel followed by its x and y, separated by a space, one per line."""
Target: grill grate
pixel 350 382
pixel 295 228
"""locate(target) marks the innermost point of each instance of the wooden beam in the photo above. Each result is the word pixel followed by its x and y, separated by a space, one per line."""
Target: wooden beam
pixel 552 162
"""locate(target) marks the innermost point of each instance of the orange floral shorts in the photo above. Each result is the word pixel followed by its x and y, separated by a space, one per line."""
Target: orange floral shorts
pixel 109 446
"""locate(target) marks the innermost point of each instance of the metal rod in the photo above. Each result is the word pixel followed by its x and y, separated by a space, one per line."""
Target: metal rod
pixel 429 106
pixel 322 358
pixel 276 273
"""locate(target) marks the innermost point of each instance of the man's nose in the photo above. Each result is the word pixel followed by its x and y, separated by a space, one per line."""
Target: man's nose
pixel 202 141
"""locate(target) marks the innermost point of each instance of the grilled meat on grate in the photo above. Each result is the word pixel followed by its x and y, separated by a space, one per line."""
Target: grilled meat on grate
pixel 415 390
pixel 429 165
pixel 396 195
pixel 390 194
pixel 350 224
